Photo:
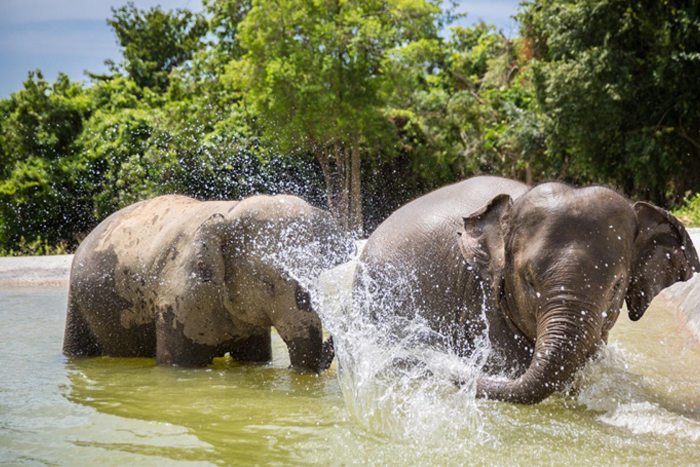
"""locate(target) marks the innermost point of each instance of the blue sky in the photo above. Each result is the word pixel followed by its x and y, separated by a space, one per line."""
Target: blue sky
pixel 73 36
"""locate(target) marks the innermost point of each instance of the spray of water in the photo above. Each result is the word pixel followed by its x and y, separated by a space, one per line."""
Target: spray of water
pixel 396 373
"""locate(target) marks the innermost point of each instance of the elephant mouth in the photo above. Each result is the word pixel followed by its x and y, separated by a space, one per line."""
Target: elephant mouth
pixel 519 335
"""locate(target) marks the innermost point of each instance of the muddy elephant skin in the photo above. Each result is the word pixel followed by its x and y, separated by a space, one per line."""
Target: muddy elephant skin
pixel 185 281
pixel 541 272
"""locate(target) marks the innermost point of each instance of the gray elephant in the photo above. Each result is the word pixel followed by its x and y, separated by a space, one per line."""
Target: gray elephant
pixel 185 281
pixel 543 272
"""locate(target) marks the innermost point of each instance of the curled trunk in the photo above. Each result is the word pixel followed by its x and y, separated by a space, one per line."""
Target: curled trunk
pixel 566 337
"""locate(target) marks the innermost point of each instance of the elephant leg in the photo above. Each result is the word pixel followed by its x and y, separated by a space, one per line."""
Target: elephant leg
pixel 301 331
pixel 256 348
pixel 305 352
pixel 173 347
pixel 78 339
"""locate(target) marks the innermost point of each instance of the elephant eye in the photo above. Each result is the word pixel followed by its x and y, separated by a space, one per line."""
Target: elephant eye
pixel 529 280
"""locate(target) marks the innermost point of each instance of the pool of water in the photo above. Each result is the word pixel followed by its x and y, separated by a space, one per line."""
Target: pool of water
pixel 637 405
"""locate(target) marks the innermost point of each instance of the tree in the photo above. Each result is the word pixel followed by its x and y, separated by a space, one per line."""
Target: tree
pixel 154 42
pixel 617 82
pixel 42 189
pixel 467 105
pixel 225 17
pixel 313 73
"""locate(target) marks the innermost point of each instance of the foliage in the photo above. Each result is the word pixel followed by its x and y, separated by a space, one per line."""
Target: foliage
pixel 689 211
pixel 225 18
pixel 40 190
pixel 113 145
pixel 154 42
pixel 358 106
pixel 617 83
pixel 42 120
pixel 466 106
pixel 37 247
pixel 312 71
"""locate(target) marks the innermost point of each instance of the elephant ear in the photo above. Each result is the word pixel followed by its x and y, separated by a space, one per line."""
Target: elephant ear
pixel 664 255
pixel 482 239
pixel 209 258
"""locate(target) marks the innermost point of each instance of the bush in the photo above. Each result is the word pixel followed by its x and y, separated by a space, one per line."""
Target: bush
pixel 38 247
pixel 689 212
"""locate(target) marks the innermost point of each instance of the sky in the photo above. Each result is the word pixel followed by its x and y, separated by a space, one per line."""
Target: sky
pixel 72 36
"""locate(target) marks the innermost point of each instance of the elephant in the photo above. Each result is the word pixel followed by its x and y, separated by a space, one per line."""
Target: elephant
pixel 541 272
pixel 184 281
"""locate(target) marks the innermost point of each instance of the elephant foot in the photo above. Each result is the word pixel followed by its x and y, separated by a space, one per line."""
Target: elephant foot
pixel 196 360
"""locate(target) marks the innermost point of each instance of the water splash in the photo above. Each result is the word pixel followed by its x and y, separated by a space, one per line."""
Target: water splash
pixel 632 401
pixel 397 374
pixel 397 378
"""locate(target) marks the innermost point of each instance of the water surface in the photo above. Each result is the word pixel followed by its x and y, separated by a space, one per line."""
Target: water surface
pixel 637 405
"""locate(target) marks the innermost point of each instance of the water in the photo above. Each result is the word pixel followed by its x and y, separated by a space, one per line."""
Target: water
pixel 637 405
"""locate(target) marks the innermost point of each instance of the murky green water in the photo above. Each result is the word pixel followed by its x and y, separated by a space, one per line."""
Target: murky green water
pixel 639 405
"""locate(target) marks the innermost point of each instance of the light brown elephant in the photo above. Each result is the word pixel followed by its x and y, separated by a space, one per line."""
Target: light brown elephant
pixel 542 271
pixel 185 281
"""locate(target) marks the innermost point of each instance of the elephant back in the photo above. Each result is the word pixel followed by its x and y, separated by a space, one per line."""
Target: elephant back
pixel 291 233
pixel 412 264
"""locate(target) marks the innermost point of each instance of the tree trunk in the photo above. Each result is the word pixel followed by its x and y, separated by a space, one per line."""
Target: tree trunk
pixel 356 226
pixel 528 175
pixel 327 177
pixel 344 190
pixel 341 163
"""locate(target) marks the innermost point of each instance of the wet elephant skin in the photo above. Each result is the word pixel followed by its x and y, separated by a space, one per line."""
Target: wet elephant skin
pixel 185 281
pixel 542 272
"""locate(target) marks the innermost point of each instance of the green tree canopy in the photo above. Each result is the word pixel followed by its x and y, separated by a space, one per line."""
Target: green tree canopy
pixel 41 185
pixel 154 42
pixel 618 83
pixel 313 73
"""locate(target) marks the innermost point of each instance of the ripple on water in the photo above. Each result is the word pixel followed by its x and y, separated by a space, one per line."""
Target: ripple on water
pixel 639 404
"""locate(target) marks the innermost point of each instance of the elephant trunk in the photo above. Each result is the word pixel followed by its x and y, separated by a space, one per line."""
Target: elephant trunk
pixel 566 335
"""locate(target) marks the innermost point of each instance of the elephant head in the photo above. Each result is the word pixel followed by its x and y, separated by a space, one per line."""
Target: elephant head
pixel 558 263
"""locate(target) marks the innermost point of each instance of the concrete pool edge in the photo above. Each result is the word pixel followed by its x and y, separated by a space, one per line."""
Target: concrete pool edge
pixel 35 270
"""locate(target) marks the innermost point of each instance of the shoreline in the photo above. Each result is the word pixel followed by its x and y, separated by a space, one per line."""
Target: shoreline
pixel 35 270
